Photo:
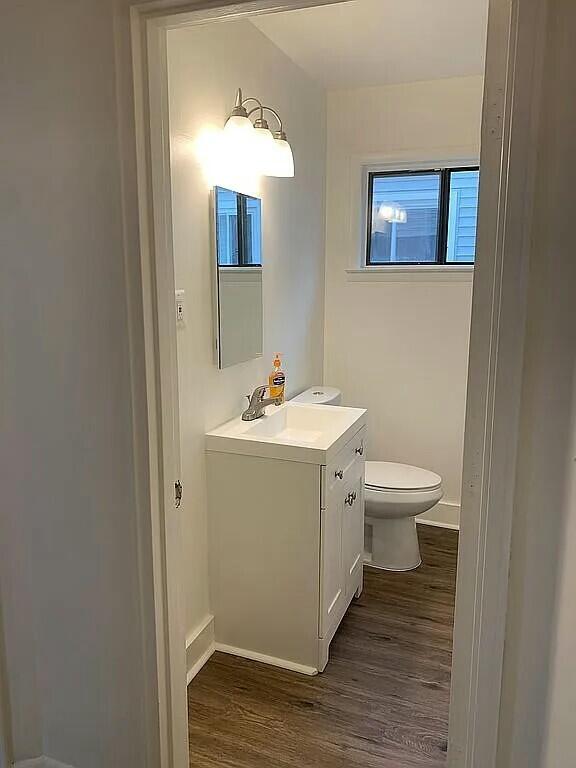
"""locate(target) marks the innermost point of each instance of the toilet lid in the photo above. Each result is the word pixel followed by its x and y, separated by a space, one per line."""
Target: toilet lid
pixel 320 395
pixel 400 477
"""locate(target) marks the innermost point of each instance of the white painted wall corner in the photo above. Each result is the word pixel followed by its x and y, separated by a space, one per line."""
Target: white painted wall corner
pixel 445 515
pixel 199 647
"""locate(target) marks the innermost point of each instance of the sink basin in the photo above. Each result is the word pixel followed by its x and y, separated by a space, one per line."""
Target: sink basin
pixel 297 432
pixel 299 423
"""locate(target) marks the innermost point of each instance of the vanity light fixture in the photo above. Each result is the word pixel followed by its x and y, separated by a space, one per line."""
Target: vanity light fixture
pixel 269 151
pixel 393 213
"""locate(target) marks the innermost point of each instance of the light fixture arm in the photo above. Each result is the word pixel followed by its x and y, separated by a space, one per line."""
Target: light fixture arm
pixel 260 106
pixel 239 108
pixel 280 132
pixel 241 111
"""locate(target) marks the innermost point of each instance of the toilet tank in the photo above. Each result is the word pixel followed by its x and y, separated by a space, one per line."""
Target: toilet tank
pixel 320 395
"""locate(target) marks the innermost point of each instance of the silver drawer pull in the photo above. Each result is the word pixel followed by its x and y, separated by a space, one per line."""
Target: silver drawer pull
pixel 360 450
pixel 339 474
pixel 351 498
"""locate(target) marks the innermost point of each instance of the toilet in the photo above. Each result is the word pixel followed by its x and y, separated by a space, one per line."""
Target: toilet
pixel 395 494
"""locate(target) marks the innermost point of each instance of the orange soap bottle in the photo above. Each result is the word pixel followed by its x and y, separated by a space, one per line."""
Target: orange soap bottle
pixel 277 379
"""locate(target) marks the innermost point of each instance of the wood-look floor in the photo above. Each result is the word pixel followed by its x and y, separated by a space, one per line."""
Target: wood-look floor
pixel 382 701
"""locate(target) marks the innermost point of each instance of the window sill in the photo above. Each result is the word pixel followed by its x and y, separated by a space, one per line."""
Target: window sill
pixel 435 273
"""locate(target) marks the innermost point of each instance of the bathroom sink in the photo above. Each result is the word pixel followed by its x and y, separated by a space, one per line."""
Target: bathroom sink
pixel 297 432
pixel 299 423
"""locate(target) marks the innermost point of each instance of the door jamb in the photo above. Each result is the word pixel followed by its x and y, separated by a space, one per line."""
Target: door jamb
pixel 5 730
pixel 509 126
pixel 512 97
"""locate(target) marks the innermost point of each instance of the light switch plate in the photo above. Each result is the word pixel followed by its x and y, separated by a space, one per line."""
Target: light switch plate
pixel 180 308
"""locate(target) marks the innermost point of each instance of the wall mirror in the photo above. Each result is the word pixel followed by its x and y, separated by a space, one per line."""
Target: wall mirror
pixel 238 261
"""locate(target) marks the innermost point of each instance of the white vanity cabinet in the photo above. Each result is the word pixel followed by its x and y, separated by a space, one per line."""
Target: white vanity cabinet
pixel 286 540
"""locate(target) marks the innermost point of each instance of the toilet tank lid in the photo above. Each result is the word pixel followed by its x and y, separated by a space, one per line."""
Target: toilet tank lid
pixel 320 395
pixel 400 477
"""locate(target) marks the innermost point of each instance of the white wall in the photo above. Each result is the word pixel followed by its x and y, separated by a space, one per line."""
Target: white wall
pixel 399 347
pixel 69 522
pixel 538 718
pixel 74 630
pixel 206 66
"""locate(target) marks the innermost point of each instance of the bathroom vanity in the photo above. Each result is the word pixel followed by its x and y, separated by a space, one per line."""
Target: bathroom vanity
pixel 286 531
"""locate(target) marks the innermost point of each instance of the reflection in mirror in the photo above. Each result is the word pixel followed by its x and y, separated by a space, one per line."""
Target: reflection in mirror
pixel 238 229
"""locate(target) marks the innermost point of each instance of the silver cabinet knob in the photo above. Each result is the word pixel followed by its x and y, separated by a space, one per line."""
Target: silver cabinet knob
pixel 339 474
pixel 360 450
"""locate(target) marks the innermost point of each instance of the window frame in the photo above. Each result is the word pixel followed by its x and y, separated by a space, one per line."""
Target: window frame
pixel 444 174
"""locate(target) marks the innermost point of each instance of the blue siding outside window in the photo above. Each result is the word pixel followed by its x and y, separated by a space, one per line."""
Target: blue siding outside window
pixel 462 216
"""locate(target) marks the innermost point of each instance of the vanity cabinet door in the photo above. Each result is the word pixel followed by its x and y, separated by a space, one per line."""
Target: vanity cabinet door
pixel 353 530
pixel 332 572
pixel 342 532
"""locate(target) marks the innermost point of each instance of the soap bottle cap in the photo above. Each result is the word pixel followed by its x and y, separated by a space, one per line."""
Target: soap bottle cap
pixel 277 361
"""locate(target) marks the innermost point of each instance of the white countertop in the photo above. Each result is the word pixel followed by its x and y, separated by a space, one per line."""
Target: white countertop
pixel 293 431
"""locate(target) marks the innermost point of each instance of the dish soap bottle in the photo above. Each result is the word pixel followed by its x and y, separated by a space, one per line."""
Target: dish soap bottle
pixel 277 379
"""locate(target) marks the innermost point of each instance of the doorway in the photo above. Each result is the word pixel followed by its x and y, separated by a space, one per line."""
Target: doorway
pixel 488 364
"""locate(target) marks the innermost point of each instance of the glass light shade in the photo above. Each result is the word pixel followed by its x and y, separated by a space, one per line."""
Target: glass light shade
pixel 264 150
pixel 239 145
pixel 283 161
pixel 239 140
pixel 238 126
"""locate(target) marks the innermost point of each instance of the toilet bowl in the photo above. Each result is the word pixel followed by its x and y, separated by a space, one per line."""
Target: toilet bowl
pixel 395 494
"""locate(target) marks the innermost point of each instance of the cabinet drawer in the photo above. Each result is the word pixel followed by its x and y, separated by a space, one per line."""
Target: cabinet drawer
pixel 346 463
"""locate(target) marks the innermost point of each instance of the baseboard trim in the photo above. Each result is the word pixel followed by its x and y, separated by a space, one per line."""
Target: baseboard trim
pixel 36 762
pixel 264 659
pixel 197 666
pixel 439 524
pixel 199 647
pixel 443 515
pixel 40 762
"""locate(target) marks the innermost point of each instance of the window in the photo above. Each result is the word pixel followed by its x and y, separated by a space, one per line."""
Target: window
pixel 422 217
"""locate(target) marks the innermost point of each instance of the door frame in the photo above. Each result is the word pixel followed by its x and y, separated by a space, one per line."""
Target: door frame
pixel 6 749
pixel 508 161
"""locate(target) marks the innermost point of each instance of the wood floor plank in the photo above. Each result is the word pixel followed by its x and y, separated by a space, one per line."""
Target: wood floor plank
pixel 382 701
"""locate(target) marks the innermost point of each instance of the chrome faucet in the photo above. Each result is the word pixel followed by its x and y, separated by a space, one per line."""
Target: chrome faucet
pixel 258 402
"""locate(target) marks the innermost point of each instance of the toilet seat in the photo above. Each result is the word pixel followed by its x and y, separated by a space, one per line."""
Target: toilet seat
pixel 391 476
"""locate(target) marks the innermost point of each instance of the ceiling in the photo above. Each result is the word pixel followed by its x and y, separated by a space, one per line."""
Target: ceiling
pixel 379 42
